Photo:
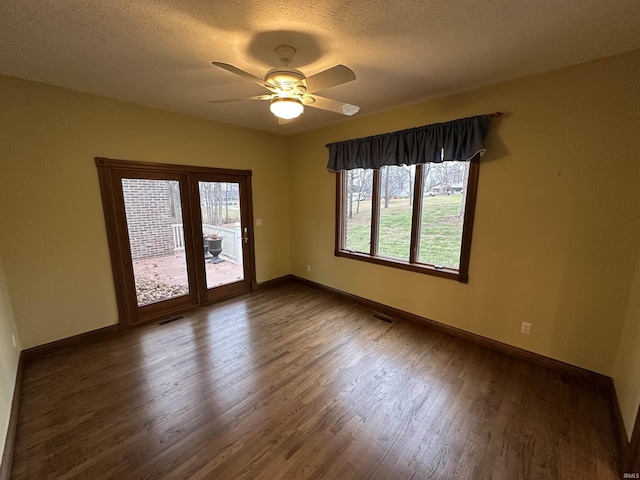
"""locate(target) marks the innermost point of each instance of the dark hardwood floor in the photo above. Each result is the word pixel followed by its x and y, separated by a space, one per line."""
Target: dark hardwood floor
pixel 292 382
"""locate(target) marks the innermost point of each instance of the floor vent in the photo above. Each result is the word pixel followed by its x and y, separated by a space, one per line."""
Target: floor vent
pixel 382 316
pixel 164 322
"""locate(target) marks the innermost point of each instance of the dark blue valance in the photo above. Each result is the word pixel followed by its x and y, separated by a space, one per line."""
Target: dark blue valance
pixel 457 140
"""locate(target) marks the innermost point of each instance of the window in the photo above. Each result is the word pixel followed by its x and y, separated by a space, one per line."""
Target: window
pixel 406 199
pixel 416 217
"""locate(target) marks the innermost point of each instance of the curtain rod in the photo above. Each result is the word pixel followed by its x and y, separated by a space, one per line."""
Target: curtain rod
pixel 496 114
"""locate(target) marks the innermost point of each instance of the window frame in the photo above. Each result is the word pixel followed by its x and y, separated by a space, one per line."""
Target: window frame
pixel 461 274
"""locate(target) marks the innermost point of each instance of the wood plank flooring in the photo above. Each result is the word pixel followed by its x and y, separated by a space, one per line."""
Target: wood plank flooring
pixel 291 382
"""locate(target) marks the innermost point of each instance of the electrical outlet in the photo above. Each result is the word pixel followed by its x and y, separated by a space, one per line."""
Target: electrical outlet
pixel 526 328
pixel 258 222
pixel 308 268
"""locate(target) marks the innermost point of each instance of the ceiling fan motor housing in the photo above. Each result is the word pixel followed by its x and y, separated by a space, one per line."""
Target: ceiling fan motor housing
pixel 286 79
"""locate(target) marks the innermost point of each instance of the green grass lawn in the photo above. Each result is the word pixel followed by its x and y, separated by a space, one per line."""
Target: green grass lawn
pixel 440 237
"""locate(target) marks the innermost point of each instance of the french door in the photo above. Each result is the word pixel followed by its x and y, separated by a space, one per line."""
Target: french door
pixel 179 236
pixel 221 229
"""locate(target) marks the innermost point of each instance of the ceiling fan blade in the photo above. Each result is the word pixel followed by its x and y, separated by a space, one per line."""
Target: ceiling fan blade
pixel 243 74
pixel 226 100
pixel 323 103
pixel 330 78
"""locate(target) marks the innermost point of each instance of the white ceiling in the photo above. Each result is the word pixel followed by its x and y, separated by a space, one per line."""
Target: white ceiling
pixel 159 52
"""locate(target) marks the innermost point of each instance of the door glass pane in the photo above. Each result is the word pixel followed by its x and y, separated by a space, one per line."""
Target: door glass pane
pixel 443 204
pixel 220 214
pixel 153 210
pixel 357 210
pixel 396 210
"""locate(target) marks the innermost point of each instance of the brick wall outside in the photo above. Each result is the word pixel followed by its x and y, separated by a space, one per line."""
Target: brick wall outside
pixel 148 217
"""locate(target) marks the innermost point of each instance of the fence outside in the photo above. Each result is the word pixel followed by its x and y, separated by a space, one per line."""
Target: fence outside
pixel 178 236
pixel 231 239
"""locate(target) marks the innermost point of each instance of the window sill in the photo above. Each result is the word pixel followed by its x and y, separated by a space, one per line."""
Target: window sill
pixel 450 273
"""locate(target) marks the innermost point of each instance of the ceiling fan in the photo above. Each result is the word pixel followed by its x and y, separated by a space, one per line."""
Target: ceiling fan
pixel 291 90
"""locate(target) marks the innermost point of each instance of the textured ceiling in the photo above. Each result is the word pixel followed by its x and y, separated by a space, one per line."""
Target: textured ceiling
pixel 159 52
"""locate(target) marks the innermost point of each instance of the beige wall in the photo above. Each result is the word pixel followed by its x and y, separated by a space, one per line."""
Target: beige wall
pixel 9 356
pixel 556 233
pixel 626 374
pixel 53 235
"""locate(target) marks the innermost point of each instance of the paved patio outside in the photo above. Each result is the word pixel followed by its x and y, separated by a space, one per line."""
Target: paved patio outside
pixel 161 278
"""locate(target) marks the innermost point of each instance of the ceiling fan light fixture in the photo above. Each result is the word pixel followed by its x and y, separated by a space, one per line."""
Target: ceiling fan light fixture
pixel 286 108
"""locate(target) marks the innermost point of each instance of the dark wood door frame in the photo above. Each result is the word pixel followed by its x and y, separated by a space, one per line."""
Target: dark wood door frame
pixel 110 172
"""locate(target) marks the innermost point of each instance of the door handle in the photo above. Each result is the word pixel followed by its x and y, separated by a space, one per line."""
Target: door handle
pixel 246 235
